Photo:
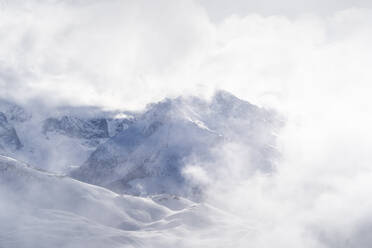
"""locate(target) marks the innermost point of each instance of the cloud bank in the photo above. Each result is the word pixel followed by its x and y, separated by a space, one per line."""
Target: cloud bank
pixel 128 53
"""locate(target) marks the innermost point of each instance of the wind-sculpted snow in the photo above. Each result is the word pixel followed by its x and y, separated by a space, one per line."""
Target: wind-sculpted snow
pixel 151 155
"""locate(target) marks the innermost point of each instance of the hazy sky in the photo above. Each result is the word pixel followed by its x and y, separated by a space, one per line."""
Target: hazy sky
pixel 127 53
pixel 220 9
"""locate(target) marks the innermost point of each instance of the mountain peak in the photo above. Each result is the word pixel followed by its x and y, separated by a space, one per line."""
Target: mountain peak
pixel 224 96
pixel 149 156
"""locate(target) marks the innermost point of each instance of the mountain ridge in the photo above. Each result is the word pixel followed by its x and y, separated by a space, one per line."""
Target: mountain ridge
pixel 159 144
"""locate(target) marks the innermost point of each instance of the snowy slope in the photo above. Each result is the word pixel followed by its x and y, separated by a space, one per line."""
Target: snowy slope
pixel 41 209
pixel 149 157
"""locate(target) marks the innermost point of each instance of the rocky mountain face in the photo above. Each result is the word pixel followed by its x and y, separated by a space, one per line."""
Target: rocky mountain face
pixel 9 140
pixel 77 128
pixel 150 156
pixel 14 112
pixel 62 137
pixel 10 115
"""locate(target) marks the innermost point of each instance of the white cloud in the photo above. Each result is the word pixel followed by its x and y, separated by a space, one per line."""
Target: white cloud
pixel 123 53
pixel 220 9
pixel 96 51
pixel 196 174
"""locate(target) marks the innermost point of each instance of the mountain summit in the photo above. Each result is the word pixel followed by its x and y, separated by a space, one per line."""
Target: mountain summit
pixel 150 156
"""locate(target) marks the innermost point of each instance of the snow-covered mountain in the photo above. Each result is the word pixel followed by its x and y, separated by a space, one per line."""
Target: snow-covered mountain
pixel 140 153
pixel 41 209
pixel 149 157
pixel 146 154
pixel 63 137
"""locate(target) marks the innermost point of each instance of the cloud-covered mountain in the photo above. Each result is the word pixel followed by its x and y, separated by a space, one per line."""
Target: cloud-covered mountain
pixel 150 156
pixel 55 138
pixel 146 152
pixel 197 173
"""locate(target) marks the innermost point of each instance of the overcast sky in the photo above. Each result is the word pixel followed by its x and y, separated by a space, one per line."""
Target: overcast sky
pixel 220 9
pixel 127 53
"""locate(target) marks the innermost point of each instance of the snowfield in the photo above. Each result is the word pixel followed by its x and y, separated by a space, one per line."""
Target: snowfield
pixel 48 210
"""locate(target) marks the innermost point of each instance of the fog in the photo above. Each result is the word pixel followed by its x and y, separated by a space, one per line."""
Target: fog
pixel 310 62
